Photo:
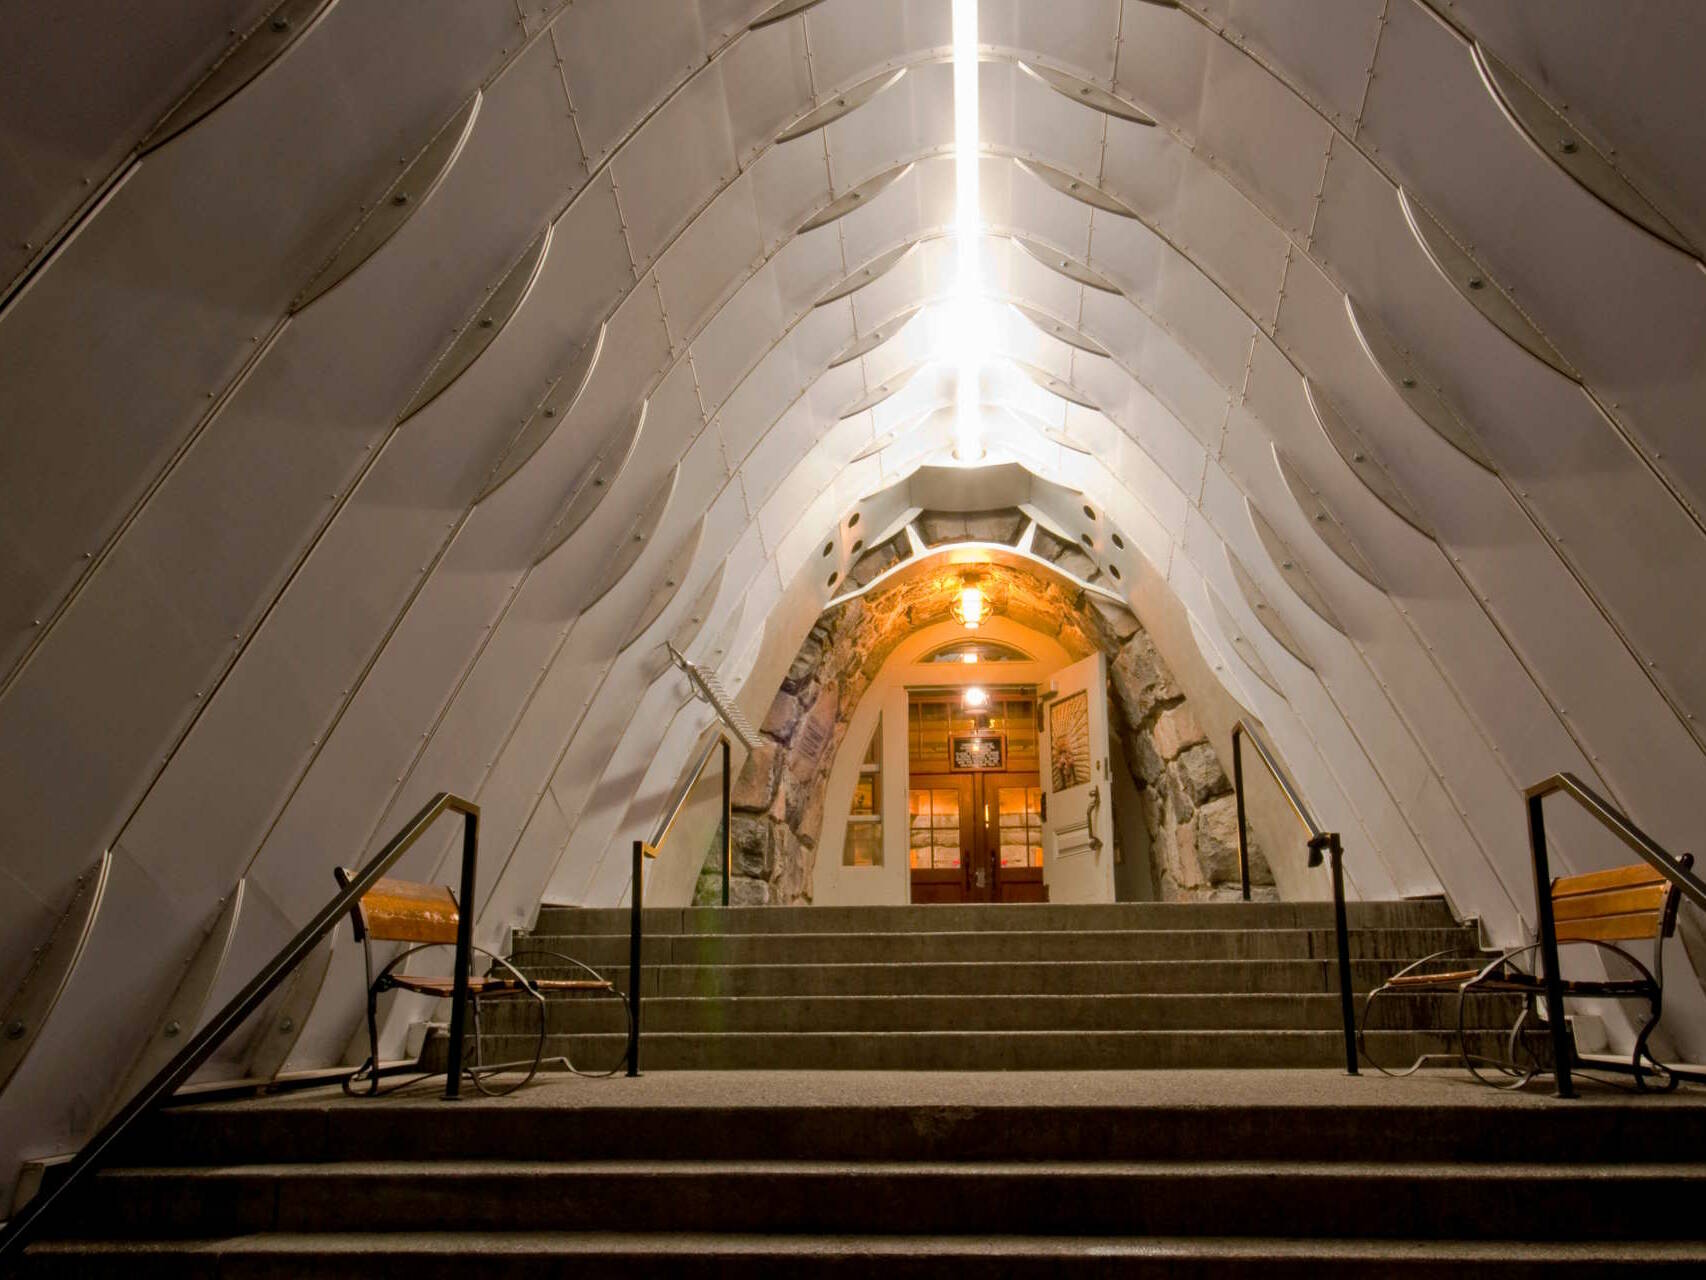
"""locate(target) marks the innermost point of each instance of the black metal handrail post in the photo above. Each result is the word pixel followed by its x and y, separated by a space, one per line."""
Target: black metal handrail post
pixel 464 961
pixel 635 894
pixel 728 822
pixel 1562 1048
pixel 1644 846
pixel 1341 937
pixel 1320 842
pixel 203 1043
pixel 1238 792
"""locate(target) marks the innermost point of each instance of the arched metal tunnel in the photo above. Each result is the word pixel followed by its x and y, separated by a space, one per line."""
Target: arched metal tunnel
pixel 382 384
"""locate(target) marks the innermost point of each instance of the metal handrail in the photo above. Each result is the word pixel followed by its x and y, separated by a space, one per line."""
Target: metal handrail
pixel 1287 787
pixel 644 849
pixel 679 801
pixel 1320 842
pixel 1644 846
pixel 202 1045
pixel 708 687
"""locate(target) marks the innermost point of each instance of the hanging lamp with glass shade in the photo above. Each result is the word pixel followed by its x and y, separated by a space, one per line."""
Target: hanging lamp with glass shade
pixel 972 607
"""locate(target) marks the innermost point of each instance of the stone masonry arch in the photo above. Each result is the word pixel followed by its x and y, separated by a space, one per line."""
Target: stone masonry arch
pixel 1184 790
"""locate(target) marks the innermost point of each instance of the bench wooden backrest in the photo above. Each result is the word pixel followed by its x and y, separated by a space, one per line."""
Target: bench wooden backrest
pixel 1612 906
pixel 406 911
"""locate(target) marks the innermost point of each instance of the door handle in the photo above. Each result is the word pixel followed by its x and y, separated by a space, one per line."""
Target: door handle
pixel 1091 841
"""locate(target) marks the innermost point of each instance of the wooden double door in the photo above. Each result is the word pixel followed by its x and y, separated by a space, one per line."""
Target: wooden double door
pixel 976 837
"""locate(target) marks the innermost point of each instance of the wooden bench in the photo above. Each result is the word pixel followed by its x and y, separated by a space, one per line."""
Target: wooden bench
pixel 426 916
pixel 1600 909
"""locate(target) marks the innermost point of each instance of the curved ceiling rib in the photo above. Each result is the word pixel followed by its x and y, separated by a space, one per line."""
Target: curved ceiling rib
pixel 1553 136
pixel 270 39
pixel 842 104
pixel 481 329
pixel 397 204
pixel 1070 267
pixel 1323 521
pixel 561 396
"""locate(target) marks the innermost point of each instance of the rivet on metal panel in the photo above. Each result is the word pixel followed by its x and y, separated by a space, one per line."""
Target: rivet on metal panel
pixel 286 1026
pixel 172 1028
pixel 15 1029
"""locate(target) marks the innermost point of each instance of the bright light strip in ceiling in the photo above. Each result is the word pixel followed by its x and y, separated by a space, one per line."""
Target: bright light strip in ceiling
pixel 969 322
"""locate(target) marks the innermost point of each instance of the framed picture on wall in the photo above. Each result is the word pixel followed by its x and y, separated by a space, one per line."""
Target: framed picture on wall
pixel 979 751
pixel 1069 742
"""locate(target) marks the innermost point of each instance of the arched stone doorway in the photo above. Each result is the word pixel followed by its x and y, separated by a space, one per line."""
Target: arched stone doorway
pixel 1173 828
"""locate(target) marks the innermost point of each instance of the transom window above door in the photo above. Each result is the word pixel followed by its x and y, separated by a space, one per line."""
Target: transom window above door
pixel 972 652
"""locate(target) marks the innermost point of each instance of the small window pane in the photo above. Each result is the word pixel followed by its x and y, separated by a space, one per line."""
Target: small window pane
pixel 863 845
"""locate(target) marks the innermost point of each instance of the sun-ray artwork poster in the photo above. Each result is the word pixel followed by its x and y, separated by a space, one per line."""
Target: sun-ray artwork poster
pixel 1069 742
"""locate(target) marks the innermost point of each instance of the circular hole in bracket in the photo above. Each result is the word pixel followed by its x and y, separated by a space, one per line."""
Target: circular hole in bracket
pixel 1089 512
pixel 1115 570
pixel 828 547
pixel 833 578
pixel 853 520
pixel 1086 540
pixel 858 546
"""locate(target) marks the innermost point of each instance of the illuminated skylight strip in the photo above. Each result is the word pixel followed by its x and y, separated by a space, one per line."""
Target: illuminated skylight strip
pixel 967 311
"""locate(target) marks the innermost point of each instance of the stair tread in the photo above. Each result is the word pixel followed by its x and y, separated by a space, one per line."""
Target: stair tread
pixel 1387 1170
pixel 1009 934
pixel 431 1243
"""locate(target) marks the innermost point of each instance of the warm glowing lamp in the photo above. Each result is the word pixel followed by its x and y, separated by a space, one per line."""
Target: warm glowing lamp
pixel 976 697
pixel 972 608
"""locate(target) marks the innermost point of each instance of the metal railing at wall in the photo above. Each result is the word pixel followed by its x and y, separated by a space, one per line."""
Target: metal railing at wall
pixel 644 849
pixel 214 1032
pixel 1644 846
pixel 1320 842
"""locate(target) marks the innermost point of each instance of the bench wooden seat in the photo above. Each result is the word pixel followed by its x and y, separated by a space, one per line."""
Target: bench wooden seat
pixel 423 916
pixel 1600 909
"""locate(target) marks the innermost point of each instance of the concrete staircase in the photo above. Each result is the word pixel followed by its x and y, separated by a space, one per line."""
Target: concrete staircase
pixel 1139 1174
pixel 1032 987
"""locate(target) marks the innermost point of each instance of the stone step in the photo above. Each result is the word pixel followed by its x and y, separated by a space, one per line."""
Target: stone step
pixel 1094 1117
pixel 1051 977
pixel 943 1050
pixel 622 1256
pixel 607 950
pixel 1367 1200
pixel 989 917
pixel 582 1014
